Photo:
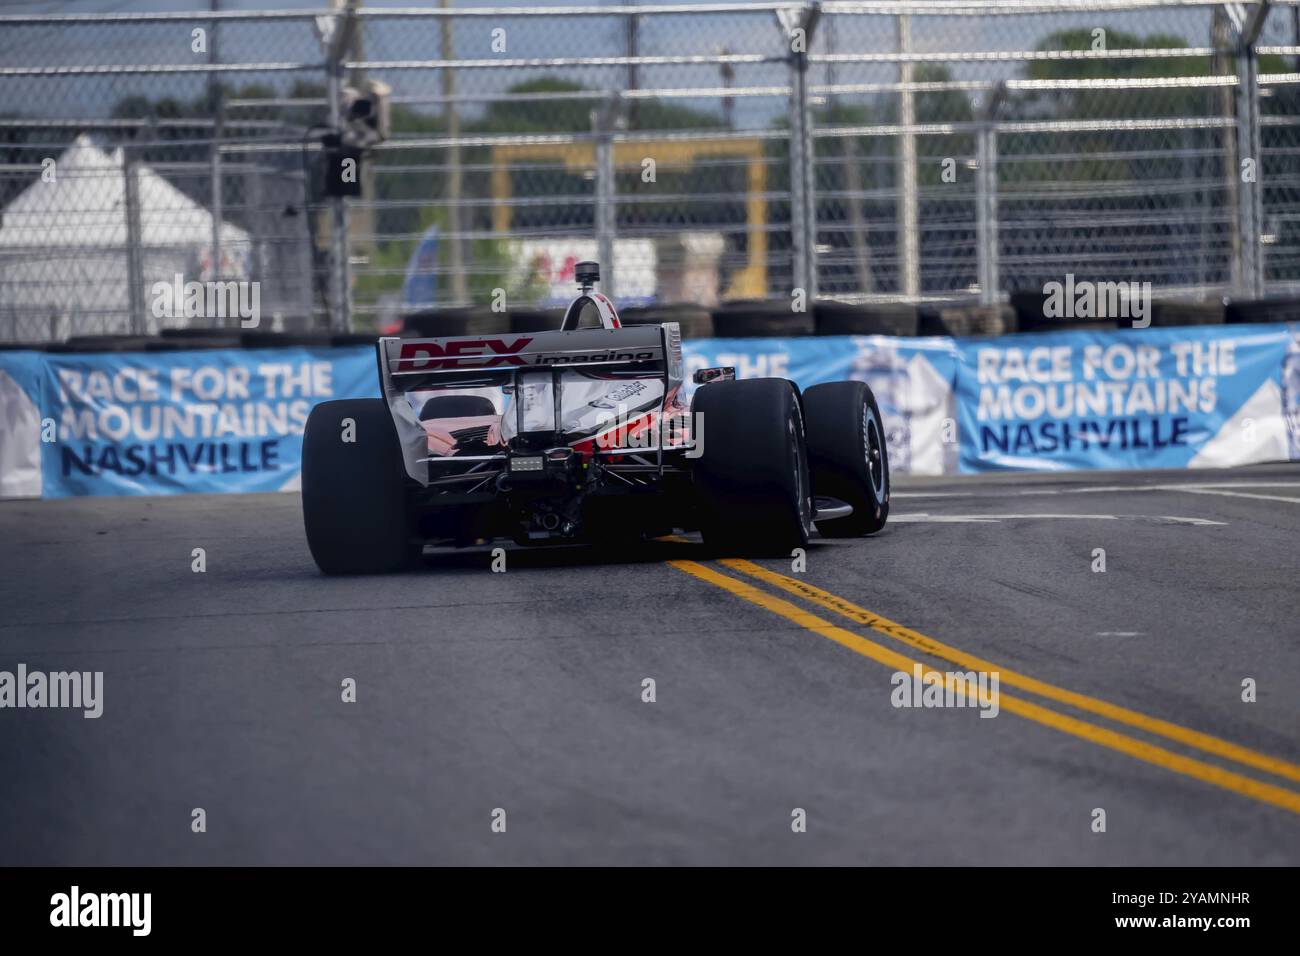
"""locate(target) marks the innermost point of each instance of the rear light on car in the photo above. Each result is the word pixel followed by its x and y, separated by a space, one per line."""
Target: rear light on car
pixel 529 463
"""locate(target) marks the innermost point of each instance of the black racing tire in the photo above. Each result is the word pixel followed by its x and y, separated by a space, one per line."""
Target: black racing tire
pixel 753 477
pixel 848 455
pixel 354 492
pixel 535 320
pixel 1253 311
pixel 343 339
pixel 103 343
pixel 282 340
pixel 1030 309
pixel 843 318
pixel 960 321
pixel 1181 313
pixel 694 321
pixel 230 335
pixel 186 345
pixel 758 318
pixel 440 323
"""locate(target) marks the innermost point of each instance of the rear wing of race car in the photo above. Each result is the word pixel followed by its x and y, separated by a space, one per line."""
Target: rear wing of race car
pixel 523 364
pixel 402 358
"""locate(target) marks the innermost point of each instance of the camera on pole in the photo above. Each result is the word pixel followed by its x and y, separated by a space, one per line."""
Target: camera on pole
pixel 365 123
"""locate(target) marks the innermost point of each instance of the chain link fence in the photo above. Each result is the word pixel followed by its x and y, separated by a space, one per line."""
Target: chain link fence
pixel 127 160
pixel 888 151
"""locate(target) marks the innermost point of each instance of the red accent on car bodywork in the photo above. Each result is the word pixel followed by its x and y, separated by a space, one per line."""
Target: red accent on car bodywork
pixel 460 353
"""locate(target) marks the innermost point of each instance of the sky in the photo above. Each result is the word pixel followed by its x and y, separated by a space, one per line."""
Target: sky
pixel 757 32
pixel 121 6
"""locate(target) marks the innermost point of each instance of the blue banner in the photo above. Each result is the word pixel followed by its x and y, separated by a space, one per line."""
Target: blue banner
pixel 1134 399
pixel 232 420
pixel 20 424
pixel 913 380
pixel 200 421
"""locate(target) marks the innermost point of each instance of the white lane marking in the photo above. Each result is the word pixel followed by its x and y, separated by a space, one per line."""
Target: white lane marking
pixel 1119 633
pixel 932 494
pixel 1239 494
pixel 1239 484
pixel 923 517
pixel 1190 488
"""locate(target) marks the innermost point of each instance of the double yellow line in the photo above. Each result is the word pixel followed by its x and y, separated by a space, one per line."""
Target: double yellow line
pixel 1097 734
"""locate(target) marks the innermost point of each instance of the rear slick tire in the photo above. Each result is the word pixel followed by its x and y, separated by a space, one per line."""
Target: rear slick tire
pixel 753 476
pixel 846 446
pixel 354 491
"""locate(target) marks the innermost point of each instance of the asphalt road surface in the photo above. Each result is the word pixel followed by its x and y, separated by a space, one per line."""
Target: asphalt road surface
pixel 478 691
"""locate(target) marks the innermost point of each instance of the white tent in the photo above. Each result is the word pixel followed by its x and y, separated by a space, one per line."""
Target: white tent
pixel 64 262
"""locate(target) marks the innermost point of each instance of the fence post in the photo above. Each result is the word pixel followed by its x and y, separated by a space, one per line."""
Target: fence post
pixel 134 243
pixel 909 243
pixel 606 120
pixel 216 102
pixel 986 213
pixel 459 287
pixel 340 247
pixel 1250 209
pixel 803 196
pixel 986 197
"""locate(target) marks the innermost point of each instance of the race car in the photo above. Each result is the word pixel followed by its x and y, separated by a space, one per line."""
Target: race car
pixel 583 435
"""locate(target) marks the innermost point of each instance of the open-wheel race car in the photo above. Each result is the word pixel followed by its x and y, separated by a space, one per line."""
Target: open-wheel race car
pixel 583 435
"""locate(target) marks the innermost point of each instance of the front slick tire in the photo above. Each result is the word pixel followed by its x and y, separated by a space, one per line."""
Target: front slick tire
pixel 753 477
pixel 846 445
pixel 354 492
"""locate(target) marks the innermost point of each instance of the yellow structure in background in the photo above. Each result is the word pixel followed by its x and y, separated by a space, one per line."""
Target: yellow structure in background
pixel 750 282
